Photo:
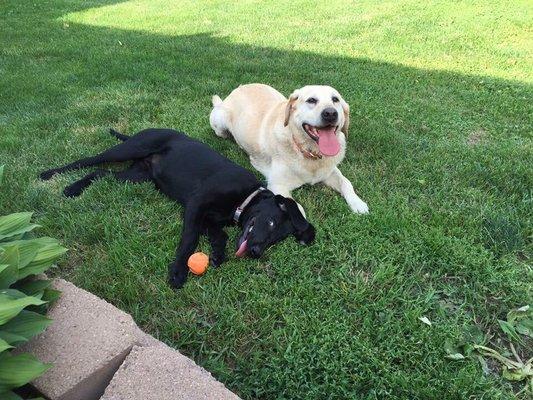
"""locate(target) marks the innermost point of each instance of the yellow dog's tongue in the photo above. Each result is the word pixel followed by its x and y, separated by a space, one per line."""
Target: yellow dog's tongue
pixel 327 141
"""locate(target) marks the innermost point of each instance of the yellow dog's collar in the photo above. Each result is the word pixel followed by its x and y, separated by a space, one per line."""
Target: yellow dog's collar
pixel 312 155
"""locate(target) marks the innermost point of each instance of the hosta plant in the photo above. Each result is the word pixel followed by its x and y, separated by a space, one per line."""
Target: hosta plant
pixel 23 297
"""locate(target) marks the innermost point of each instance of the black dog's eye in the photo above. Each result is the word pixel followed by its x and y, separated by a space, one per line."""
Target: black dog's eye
pixel 271 224
pixel 335 99
pixel 312 100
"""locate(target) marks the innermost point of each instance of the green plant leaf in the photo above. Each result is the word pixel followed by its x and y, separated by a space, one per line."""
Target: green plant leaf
pixel 20 252
pixel 472 334
pixel 19 259
pixel 47 254
pixel 50 295
pixel 452 352
pixel 9 256
pixel 11 338
pixel 8 275
pixel 525 327
pixel 33 287
pixel 509 330
pixel 468 348
pixel 513 374
pixel 15 224
pixel 1 173
pixel 16 294
pixel 522 320
pixel 10 396
pixel 27 324
pixel 519 313
pixel 18 370
pixel 4 345
pixel 11 303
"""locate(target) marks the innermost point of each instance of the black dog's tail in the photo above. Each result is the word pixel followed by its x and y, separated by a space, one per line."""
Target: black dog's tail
pixel 118 135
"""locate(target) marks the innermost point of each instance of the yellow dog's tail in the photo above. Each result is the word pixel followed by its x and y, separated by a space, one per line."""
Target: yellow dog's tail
pixel 216 100
pixel 218 118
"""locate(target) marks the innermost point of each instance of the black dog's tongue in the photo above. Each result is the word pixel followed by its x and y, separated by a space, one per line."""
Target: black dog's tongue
pixel 241 251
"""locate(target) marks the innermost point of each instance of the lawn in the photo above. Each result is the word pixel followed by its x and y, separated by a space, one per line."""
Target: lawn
pixel 440 147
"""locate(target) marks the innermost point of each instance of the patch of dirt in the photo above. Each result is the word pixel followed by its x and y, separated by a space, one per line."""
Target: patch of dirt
pixel 268 270
pixel 364 275
pixel 476 137
pixel 83 130
pixel 76 258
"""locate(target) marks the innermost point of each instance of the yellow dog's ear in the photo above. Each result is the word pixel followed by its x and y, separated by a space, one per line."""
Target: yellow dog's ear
pixel 289 107
pixel 346 110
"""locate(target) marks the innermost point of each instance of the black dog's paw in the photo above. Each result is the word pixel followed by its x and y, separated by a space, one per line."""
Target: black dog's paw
pixel 176 282
pixel 176 279
pixel 46 175
pixel 217 260
pixel 73 190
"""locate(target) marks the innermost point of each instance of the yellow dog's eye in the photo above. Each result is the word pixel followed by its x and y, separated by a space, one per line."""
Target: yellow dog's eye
pixel 312 100
pixel 335 99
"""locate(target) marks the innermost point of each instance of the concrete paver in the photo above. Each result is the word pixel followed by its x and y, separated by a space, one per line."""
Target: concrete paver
pixel 87 342
pixel 157 372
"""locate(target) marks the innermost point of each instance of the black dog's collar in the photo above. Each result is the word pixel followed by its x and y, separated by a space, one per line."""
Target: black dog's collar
pixel 243 205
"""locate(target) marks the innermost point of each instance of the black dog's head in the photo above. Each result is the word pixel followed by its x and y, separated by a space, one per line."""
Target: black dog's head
pixel 270 219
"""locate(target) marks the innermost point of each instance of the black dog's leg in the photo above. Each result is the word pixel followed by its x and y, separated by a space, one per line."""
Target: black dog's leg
pixel 79 186
pixel 218 239
pixel 136 173
pixel 190 235
pixel 118 153
pixel 136 147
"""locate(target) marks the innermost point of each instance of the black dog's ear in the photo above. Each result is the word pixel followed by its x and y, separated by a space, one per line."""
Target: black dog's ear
pixel 306 236
pixel 303 230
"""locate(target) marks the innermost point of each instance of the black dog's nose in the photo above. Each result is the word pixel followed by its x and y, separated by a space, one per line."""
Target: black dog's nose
pixel 255 252
pixel 330 115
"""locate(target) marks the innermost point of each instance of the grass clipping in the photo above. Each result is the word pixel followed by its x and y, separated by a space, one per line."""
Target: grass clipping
pixel 519 324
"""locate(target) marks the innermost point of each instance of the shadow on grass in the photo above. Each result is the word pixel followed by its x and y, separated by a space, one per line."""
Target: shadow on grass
pixel 134 79
pixel 441 126
pixel 426 149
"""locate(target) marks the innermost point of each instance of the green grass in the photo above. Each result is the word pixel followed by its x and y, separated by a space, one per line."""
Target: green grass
pixel 440 147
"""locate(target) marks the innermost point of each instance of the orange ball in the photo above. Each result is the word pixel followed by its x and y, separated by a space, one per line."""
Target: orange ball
pixel 198 263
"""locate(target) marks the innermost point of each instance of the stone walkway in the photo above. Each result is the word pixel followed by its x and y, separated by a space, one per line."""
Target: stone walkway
pixel 98 352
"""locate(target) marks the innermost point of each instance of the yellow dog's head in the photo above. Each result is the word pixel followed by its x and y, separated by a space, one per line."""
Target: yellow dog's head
pixel 318 113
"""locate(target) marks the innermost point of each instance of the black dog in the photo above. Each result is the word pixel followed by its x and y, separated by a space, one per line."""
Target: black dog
pixel 214 190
